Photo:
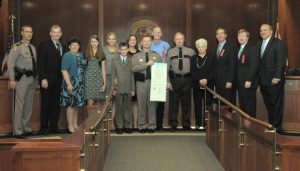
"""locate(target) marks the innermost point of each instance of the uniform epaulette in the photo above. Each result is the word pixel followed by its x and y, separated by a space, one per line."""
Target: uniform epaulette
pixel 19 43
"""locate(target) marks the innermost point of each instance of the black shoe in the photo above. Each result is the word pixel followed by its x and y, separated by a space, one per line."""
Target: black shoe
pixel 44 132
pixel 28 133
pixel 159 128
pixel 142 131
pixel 151 131
pixel 172 129
pixel 186 128
pixel 21 136
pixel 128 130
pixel 119 131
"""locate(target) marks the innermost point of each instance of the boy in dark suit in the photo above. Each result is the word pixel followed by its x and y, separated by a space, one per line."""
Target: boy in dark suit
pixel 247 73
pixel 271 74
pixel 122 78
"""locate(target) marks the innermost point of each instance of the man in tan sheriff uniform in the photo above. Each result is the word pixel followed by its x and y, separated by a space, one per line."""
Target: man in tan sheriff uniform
pixel 141 65
pixel 22 73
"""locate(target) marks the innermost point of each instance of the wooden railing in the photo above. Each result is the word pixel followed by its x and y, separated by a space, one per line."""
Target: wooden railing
pixel 242 121
pixel 85 149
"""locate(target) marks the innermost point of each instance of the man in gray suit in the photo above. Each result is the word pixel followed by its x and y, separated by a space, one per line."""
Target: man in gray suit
pixel 22 71
pixel 122 78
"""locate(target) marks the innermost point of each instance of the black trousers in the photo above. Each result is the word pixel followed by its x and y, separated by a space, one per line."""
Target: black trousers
pixel 228 94
pixel 274 101
pixel 247 100
pixel 181 93
pixel 160 114
pixel 50 108
pixel 198 96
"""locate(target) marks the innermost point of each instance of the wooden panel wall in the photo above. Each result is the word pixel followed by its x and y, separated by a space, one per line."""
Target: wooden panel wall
pixel 77 18
pixel 288 15
pixel 4 12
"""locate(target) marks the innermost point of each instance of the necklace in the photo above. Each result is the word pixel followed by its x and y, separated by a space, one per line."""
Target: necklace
pixel 202 65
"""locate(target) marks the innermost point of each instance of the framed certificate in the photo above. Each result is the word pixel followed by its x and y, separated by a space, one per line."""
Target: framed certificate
pixel 158 90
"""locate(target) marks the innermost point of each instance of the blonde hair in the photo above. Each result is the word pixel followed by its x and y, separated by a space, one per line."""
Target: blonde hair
pixel 244 31
pixel 201 42
pixel 111 34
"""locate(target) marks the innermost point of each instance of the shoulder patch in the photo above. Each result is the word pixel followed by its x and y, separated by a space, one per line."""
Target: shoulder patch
pixel 19 43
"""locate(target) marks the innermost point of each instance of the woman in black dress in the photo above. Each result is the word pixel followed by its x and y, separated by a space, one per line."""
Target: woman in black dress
pixel 202 73
pixel 133 49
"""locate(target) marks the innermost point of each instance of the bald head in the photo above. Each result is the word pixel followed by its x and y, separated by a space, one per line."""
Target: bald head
pixel 179 39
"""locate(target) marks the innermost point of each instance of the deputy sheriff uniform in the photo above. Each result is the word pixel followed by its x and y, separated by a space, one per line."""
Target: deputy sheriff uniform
pixel 147 108
pixel 180 78
pixel 22 58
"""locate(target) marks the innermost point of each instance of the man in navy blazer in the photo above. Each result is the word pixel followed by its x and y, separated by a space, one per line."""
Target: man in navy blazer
pixel 49 67
pixel 247 73
pixel 225 67
pixel 271 74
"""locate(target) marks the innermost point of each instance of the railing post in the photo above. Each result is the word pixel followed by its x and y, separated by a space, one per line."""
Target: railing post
pixel 241 133
pixel 220 118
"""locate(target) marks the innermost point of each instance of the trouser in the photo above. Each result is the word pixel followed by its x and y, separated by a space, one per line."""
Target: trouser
pixel 247 100
pixel 24 95
pixel 123 111
pixel 147 109
pixel 274 101
pixel 181 93
pixel 229 94
pixel 160 114
pixel 50 108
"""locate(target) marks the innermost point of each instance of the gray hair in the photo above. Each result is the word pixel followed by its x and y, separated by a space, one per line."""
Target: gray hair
pixel 201 42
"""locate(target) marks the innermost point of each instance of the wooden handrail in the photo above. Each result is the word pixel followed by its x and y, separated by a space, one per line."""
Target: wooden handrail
pixel 239 111
pixel 104 112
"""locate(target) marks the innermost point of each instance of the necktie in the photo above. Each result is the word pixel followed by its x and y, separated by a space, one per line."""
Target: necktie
pixel 219 49
pixel 34 69
pixel 180 66
pixel 123 60
pixel 58 48
pixel 263 47
pixel 148 72
pixel 240 52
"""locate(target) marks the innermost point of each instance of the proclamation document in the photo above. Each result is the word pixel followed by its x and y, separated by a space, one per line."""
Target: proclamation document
pixel 158 91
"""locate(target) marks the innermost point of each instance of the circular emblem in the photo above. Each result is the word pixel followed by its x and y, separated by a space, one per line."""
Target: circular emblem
pixel 141 28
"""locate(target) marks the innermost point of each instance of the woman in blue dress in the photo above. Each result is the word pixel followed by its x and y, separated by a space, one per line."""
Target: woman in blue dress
pixel 72 96
pixel 95 75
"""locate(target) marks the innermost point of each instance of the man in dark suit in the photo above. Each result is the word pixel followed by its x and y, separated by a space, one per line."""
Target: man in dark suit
pixel 225 67
pixel 49 67
pixel 271 74
pixel 247 73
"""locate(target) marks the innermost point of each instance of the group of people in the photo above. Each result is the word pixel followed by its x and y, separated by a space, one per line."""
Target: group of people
pixel 72 79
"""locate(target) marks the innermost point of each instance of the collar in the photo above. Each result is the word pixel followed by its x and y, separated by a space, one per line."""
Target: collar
pixel 222 44
pixel 243 45
pixel 267 40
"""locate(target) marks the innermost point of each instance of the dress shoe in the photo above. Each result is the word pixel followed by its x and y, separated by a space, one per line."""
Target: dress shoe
pixel 128 130
pixel 44 132
pixel 159 128
pixel 119 131
pixel 172 129
pixel 151 131
pixel 186 128
pixel 142 131
pixel 21 136
pixel 30 133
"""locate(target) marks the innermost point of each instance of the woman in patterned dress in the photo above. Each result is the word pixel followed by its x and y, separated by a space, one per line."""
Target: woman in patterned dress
pixel 95 76
pixel 133 49
pixel 72 96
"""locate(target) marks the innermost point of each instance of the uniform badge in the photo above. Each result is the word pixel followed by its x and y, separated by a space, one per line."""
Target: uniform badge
pixel 141 60
pixel 154 57
pixel 15 49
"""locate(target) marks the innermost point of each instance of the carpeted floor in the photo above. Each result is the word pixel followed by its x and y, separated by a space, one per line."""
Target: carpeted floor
pixel 161 152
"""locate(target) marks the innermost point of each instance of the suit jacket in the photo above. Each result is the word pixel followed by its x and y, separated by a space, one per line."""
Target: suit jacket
pixel 225 65
pixel 49 61
pixel 272 62
pixel 122 76
pixel 247 66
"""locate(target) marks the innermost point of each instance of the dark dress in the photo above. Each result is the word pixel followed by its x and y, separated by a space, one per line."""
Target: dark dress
pixel 75 65
pixel 94 80
pixel 134 98
pixel 201 68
